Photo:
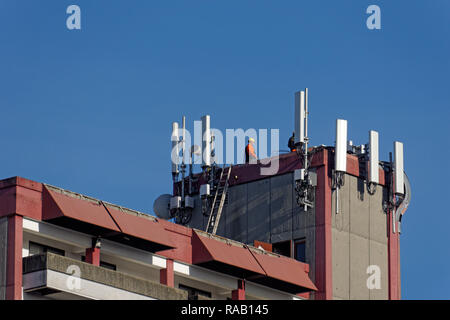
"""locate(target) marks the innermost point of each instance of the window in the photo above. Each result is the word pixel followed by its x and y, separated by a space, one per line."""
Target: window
pixel 282 248
pixel 107 265
pixel 193 293
pixel 103 264
pixel 300 250
pixel 36 248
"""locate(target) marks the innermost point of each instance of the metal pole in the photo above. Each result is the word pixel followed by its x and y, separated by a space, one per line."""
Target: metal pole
pixel 306 128
pixel 190 176
pixel 305 165
pixel 337 199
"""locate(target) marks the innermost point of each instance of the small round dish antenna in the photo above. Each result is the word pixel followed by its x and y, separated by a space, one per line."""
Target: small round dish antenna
pixel 161 206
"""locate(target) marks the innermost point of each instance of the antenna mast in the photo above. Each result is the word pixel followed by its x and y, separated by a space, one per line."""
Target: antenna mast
pixel 304 181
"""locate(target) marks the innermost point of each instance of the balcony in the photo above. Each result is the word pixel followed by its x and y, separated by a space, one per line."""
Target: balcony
pixel 52 276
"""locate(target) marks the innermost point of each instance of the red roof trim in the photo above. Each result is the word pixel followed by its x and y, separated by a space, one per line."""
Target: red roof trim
pixel 140 227
pixel 205 249
pixel 284 269
pixel 22 182
pixel 56 205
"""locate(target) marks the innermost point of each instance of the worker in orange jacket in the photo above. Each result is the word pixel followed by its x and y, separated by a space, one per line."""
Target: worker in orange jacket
pixel 250 155
pixel 291 143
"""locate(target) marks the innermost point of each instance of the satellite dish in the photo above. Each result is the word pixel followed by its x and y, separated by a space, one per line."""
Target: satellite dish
pixel 161 206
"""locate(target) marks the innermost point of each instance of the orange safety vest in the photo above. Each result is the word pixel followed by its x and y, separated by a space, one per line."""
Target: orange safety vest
pixel 249 152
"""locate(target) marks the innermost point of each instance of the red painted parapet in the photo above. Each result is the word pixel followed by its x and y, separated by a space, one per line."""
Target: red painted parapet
pixel 93 256
pixel 394 259
pixel 14 258
pixel 245 262
pixel 18 197
pixel 239 293
pixel 323 263
pixel 181 237
pixel 354 169
pixel 166 276
pixel 21 196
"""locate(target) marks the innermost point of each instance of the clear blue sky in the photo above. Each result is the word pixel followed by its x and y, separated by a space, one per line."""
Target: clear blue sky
pixel 91 110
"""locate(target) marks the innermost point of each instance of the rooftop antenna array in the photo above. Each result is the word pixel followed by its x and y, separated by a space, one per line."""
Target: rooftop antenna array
pixel 396 180
pixel 181 205
pixel 304 180
pixel 215 180
pixel 209 166
pixel 214 192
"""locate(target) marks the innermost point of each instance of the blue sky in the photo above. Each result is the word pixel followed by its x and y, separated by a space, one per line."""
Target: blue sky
pixel 90 110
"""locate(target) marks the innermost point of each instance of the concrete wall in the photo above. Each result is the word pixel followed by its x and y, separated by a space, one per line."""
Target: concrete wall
pixel 264 210
pixel 359 239
pixel 3 254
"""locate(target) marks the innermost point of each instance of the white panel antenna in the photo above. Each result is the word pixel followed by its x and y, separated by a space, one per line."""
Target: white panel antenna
pixel 299 117
pixel 398 168
pixel 340 159
pixel 206 144
pixel 175 149
pixel 183 141
pixel 373 157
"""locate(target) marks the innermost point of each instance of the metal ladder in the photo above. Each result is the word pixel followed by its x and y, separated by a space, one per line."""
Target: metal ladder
pixel 217 206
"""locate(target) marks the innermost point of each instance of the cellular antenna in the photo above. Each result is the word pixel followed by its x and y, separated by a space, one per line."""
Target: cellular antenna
pixel 175 153
pixel 299 118
pixel 373 163
pixel 340 157
pixel 373 157
pixel 206 141
pixel 398 168
pixel 304 181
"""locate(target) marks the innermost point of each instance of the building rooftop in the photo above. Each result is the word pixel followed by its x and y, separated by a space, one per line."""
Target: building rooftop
pixel 67 209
